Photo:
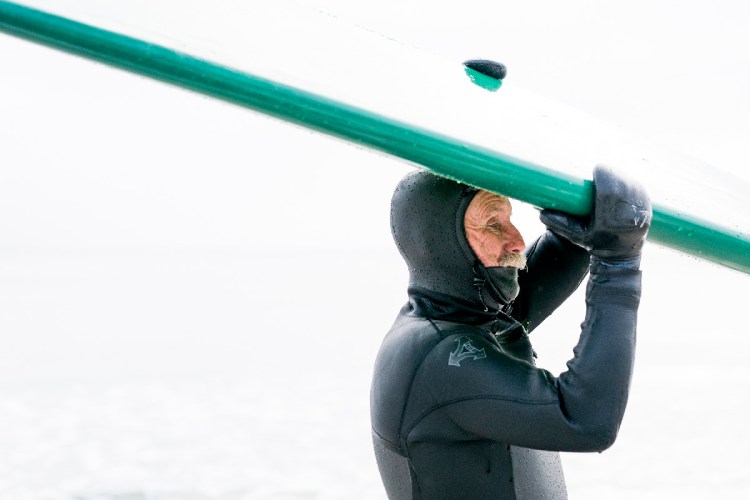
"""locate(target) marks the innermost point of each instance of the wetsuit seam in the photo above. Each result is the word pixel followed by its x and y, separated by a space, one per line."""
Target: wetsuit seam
pixel 463 243
pixel 392 446
pixel 434 408
pixel 532 249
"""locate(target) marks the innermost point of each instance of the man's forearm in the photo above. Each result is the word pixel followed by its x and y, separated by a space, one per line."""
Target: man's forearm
pixel 555 268
pixel 594 390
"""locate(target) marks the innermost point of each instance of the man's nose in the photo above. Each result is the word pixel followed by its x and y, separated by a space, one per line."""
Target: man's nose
pixel 515 241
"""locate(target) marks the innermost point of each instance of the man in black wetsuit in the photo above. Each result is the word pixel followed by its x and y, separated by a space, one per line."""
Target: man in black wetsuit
pixel 459 410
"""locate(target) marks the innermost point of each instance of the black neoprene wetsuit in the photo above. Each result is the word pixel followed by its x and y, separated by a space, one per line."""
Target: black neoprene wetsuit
pixel 459 410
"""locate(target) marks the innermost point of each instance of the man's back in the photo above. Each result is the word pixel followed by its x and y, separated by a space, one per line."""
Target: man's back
pixel 420 451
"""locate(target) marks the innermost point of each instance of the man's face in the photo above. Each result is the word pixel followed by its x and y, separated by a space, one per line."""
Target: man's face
pixel 494 239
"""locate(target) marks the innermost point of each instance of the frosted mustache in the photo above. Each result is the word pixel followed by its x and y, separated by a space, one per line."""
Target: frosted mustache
pixel 512 259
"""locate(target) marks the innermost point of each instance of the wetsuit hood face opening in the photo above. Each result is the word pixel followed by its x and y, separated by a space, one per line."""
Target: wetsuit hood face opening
pixel 445 275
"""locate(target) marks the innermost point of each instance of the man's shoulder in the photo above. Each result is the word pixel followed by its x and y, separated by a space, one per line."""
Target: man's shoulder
pixel 408 350
pixel 413 338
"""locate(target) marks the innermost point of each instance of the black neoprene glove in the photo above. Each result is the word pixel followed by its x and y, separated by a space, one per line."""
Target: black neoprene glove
pixel 616 229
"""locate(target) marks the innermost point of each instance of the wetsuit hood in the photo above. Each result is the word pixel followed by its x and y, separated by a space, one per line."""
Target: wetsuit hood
pixel 446 279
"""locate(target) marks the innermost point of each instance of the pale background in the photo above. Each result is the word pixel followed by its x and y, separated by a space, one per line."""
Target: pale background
pixel 192 295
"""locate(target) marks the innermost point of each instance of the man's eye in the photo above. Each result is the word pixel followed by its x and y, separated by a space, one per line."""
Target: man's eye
pixel 496 228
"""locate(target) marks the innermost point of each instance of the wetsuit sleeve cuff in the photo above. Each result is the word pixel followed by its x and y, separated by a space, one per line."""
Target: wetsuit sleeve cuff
pixel 603 265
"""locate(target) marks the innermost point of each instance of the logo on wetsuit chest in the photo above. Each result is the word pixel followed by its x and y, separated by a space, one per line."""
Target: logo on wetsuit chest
pixel 465 349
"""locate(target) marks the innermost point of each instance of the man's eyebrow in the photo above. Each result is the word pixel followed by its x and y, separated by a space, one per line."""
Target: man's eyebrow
pixel 493 208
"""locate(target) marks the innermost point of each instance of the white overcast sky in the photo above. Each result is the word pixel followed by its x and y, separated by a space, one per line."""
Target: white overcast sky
pixel 144 229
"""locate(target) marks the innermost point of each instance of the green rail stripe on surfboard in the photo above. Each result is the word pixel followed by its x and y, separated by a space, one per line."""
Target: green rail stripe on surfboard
pixel 443 155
